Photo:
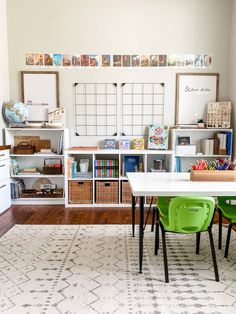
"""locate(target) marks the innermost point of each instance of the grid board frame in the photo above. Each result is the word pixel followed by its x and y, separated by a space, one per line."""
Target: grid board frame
pixel 95 109
pixel 142 105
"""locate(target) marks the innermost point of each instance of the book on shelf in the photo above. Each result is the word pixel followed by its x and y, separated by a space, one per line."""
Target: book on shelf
pixel 106 168
pixel 131 164
pixel 17 186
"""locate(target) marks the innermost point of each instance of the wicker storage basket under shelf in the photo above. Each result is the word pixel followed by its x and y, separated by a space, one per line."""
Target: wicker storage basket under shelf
pixel 154 200
pixel 107 192
pixel 81 192
pixel 126 194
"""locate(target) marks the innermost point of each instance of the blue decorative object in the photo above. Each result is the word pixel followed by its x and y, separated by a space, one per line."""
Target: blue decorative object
pixel 15 112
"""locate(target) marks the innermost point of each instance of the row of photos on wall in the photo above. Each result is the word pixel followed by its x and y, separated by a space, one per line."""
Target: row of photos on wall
pixel 117 60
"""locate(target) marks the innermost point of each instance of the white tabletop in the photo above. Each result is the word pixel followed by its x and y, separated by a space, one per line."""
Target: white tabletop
pixel 171 184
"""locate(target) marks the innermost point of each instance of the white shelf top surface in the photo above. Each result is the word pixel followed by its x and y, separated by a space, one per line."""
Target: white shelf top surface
pixel 201 130
pixel 119 152
pixel 38 176
pixel 34 129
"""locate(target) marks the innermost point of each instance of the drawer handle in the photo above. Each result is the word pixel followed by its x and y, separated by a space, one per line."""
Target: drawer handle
pixel 2 155
pixel 2 166
pixel 2 186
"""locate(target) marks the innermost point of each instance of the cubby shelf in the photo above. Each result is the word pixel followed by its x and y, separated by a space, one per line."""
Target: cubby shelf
pixel 146 156
pixel 59 140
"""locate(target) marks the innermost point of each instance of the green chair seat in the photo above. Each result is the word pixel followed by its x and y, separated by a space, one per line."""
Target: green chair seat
pixel 163 205
pixel 228 210
pixel 189 214
pixel 185 215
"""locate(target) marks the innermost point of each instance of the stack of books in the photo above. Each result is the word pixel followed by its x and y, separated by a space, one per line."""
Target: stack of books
pixel 17 186
pixel 106 168
pixel 29 171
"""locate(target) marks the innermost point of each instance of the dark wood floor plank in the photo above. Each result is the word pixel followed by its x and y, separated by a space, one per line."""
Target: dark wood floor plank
pixel 58 214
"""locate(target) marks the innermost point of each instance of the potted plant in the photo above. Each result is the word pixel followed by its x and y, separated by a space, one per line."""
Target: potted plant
pixel 200 123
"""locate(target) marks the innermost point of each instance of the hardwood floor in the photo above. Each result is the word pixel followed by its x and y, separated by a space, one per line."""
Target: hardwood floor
pixel 58 214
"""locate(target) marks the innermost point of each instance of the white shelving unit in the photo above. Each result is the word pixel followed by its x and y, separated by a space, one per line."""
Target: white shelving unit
pixel 196 134
pixel 146 156
pixel 37 160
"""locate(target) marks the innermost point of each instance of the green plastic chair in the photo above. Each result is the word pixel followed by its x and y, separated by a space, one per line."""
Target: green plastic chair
pixel 187 215
pixel 228 210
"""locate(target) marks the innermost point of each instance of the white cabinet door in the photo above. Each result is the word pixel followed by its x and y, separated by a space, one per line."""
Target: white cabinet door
pixel 5 200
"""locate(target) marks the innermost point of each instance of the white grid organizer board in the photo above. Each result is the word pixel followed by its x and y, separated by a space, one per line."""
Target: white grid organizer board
pixel 142 105
pixel 97 108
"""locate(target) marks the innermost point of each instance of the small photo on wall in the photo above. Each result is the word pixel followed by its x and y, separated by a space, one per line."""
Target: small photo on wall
pixel 135 61
pixel 66 61
pixel 48 59
pixel 172 60
pixel 29 59
pixel 57 59
pixel 76 60
pixel 189 60
pixel 207 61
pixel 84 60
pixel 180 61
pixel 153 60
pixel 38 59
pixel 106 60
pixel 162 60
pixel 93 60
pixel 145 61
pixel 116 60
pixel 126 60
pixel 199 61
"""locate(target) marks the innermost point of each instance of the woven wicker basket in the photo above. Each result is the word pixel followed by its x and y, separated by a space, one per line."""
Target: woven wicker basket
pixel 107 192
pixel 126 194
pixel 148 200
pixel 81 192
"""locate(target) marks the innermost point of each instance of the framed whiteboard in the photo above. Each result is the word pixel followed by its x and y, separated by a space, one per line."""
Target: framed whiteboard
pixel 40 91
pixel 193 92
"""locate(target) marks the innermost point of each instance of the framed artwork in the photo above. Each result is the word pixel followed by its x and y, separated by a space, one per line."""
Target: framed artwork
pixel 193 92
pixel 158 136
pixel 40 92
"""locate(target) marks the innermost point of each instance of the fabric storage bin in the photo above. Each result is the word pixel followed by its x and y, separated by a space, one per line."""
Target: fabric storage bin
pixel 107 192
pixel 81 192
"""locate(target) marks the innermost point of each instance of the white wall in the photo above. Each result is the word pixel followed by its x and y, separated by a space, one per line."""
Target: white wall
pixel 4 76
pixel 111 26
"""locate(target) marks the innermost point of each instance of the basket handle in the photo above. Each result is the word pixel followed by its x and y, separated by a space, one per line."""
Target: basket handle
pixel 80 182
pixel 23 144
pixel 107 184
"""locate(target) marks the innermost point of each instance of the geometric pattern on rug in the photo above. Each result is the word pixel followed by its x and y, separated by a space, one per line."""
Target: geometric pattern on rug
pixel 94 269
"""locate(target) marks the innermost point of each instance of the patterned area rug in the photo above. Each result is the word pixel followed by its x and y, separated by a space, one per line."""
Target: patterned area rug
pixel 94 269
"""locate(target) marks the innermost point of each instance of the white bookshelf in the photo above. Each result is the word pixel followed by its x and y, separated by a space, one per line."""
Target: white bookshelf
pixel 37 160
pixel 147 157
pixel 196 135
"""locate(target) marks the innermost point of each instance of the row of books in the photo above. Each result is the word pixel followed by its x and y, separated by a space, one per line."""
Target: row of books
pixel 106 168
pixel 219 145
pixel 17 186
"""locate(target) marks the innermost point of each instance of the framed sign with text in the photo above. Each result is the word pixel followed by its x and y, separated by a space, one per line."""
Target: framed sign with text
pixel 193 92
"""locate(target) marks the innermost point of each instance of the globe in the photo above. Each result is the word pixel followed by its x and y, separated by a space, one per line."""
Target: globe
pixel 15 112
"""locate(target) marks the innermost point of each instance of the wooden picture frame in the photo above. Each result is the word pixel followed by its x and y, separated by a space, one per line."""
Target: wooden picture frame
pixel 40 91
pixel 193 92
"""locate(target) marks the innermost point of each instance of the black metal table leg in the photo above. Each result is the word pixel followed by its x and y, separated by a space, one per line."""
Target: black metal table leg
pixel 141 232
pixel 220 230
pixel 133 214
